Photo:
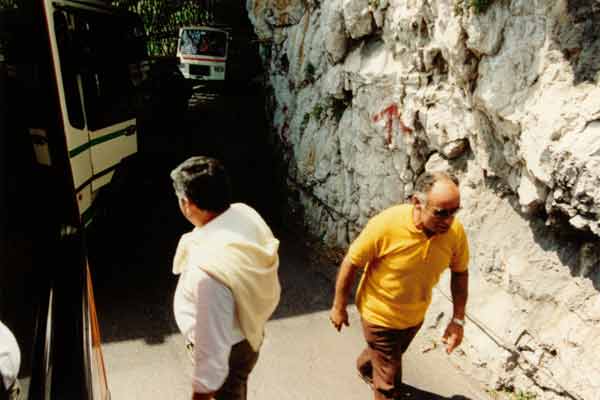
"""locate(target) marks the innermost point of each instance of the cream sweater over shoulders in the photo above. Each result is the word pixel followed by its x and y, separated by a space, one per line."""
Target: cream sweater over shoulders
pixel 239 250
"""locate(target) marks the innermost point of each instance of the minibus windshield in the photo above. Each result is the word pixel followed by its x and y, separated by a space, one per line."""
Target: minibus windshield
pixel 201 42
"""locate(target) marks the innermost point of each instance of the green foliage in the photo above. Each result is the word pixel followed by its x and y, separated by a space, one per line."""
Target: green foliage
pixel 337 107
pixel 310 72
pixel 5 4
pixel 459 7
pixel 520 395
pixel 317 111
pixel 511 394
pixel 162 20
pixel 305 121
pixel 478 6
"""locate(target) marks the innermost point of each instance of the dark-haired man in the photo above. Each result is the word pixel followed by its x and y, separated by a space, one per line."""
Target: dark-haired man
pixel 404 249
pixel 229 285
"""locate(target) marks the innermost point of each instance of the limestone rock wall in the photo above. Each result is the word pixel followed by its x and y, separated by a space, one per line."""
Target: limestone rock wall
pixel 366 95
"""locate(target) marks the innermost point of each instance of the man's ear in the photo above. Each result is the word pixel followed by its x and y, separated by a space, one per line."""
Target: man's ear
pixel 186 205
pixel 191 206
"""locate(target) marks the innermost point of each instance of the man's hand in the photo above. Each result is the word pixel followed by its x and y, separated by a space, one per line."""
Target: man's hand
pixel 459 286
pixel 338 317
pixel 453 336
pixel 345 278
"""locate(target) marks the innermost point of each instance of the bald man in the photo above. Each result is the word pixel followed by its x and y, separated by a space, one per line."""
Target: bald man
pixel 404 250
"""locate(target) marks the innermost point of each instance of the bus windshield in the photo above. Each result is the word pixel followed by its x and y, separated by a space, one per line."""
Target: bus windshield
pixel 203 42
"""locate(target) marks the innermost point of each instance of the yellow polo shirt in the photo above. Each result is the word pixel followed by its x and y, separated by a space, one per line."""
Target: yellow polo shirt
pixel 402 265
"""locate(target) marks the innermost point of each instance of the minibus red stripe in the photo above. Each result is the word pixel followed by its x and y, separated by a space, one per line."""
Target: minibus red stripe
pixel 203 59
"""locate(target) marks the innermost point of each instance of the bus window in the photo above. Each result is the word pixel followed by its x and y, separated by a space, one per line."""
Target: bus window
pixel 69 73
pixel 106 74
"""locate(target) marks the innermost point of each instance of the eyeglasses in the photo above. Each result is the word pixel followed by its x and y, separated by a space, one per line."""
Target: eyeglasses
pixel 445 212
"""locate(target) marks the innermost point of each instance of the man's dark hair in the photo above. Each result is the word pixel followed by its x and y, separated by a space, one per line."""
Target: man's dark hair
pixel 426 181
pixel 204 181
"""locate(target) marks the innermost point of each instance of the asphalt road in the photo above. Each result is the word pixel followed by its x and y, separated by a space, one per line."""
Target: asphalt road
pixel 303 357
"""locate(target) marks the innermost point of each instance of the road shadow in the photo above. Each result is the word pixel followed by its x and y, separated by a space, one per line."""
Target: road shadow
pixel 131 247
pixel 414 393
pixel 134 285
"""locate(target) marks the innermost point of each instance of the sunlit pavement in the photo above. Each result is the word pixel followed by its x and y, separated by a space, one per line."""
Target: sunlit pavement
pixel 302 357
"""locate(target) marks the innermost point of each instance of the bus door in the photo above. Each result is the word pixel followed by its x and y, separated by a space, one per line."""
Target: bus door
pixel 61 25
pixel 99 55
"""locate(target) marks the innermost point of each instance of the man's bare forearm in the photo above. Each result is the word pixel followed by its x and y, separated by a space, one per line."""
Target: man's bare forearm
pixel 459 286
pixel 344 282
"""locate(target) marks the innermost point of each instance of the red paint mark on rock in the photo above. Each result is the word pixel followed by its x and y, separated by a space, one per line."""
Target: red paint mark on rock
pixel 391 113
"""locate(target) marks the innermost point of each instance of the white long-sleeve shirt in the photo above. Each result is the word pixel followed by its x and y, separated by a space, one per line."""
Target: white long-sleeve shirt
pixel 205 314
pixel 10 356
pixel 228 289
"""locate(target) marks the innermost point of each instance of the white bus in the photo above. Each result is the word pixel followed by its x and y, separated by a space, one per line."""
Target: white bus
pixel 202 52
pixel 68 71
pixel 80 67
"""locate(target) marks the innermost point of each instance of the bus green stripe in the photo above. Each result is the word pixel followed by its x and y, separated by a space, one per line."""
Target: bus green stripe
pixel 87 215
pixel 80 149
pixel 94 177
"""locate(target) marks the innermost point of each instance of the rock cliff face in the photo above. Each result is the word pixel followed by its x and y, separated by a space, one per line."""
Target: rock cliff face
pixel 369 94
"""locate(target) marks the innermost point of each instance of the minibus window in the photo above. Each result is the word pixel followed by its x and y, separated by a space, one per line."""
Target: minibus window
pixel 68 63
pixel 107 79
pixel 200 42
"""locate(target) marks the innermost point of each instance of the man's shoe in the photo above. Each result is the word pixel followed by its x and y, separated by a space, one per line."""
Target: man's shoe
pixel 367 379
pixel 404 393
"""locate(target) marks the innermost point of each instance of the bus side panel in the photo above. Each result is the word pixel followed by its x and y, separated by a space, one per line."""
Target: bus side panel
pixel 109 147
